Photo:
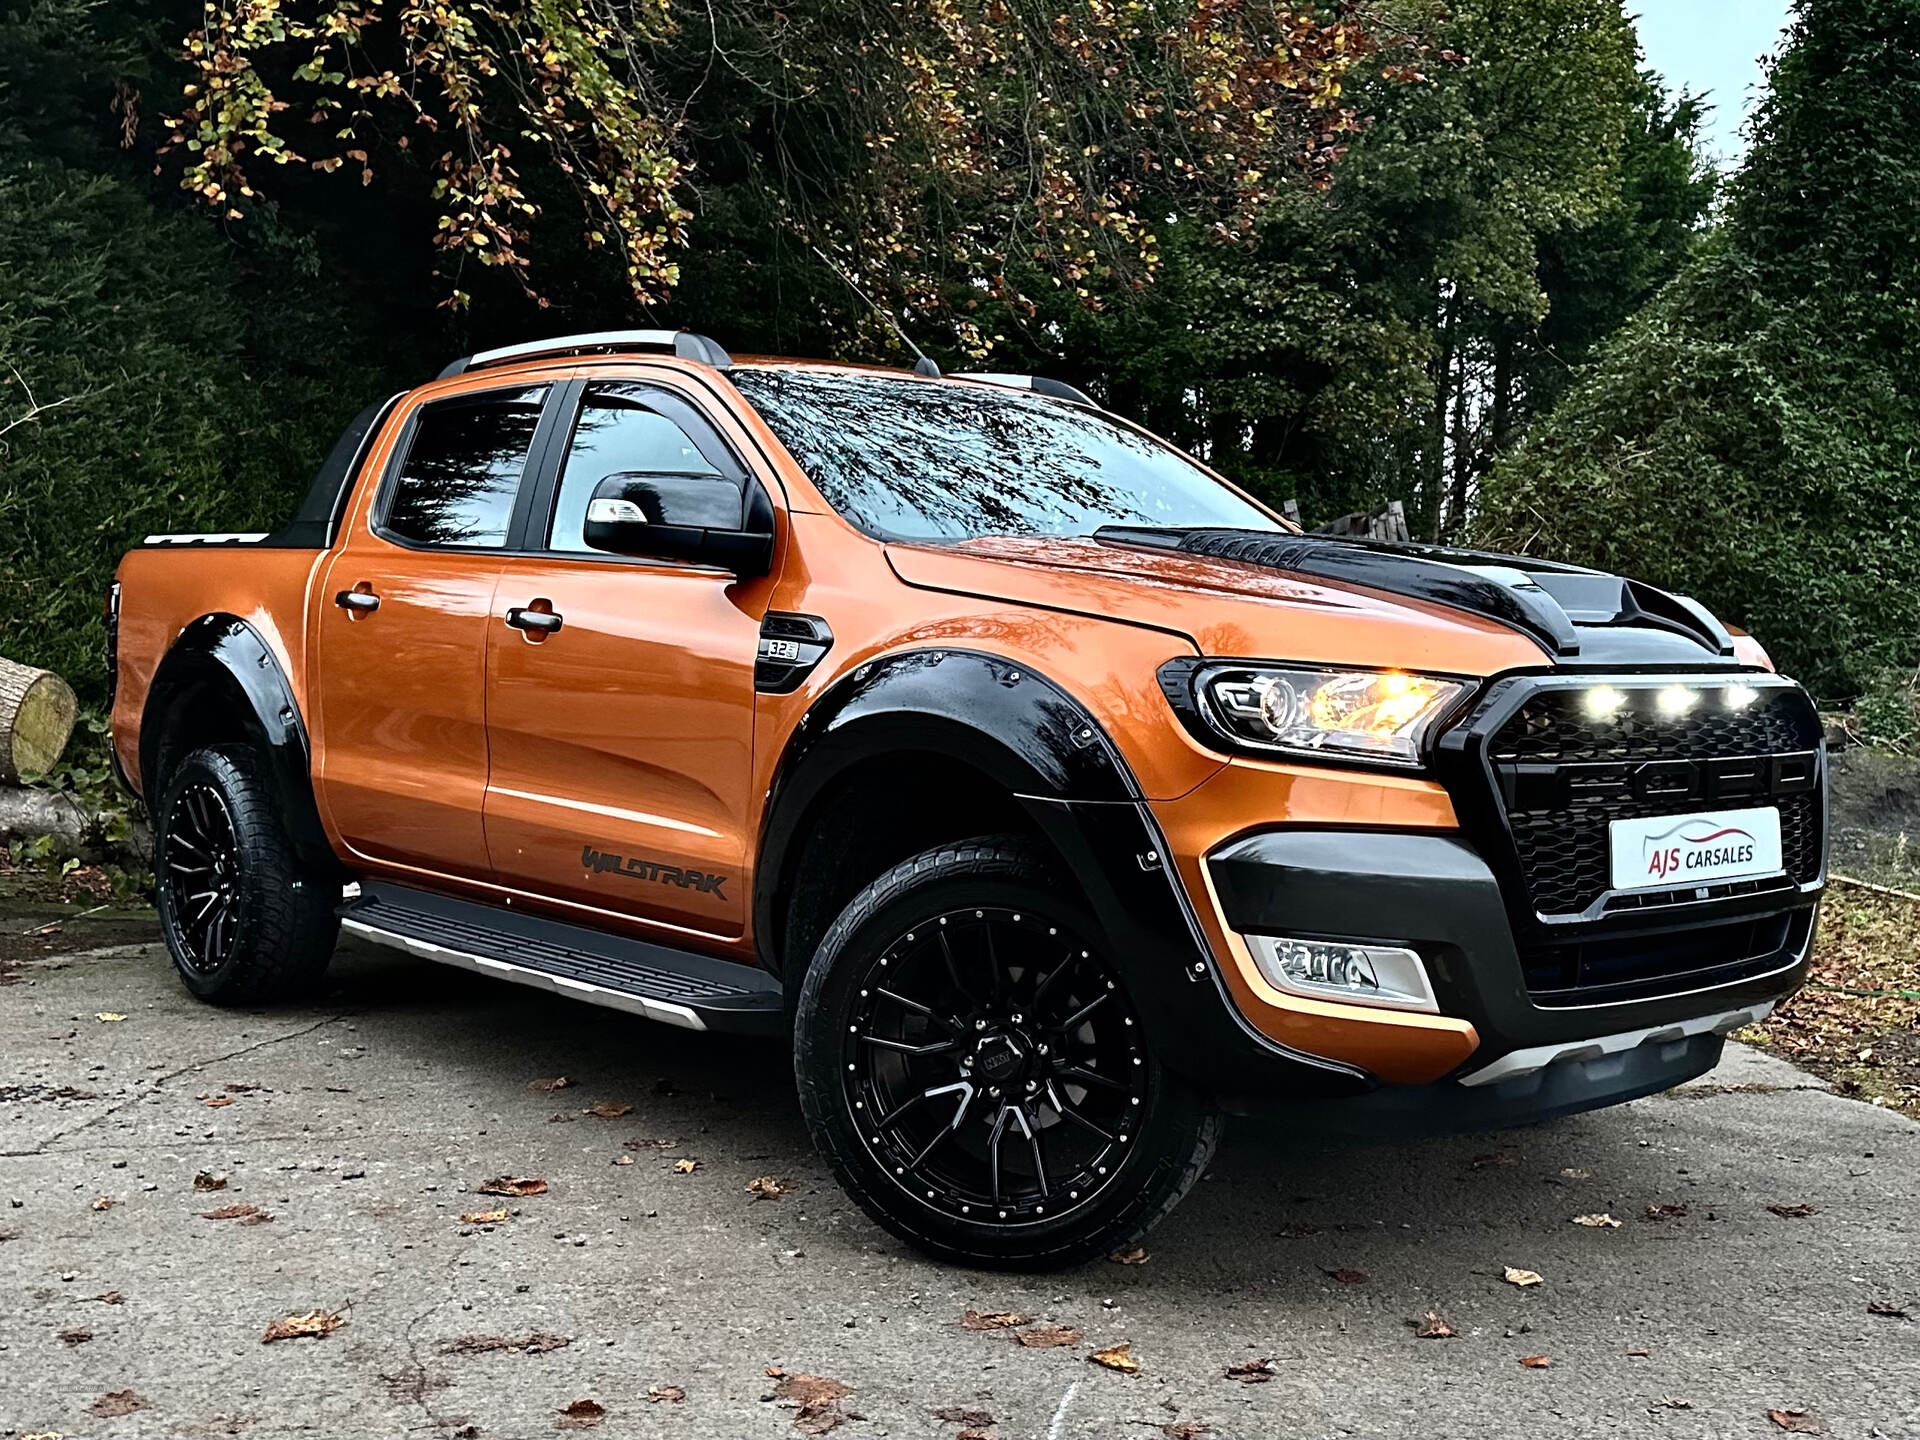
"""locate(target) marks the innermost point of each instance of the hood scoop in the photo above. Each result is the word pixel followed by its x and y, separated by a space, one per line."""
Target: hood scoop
pixel 1550 603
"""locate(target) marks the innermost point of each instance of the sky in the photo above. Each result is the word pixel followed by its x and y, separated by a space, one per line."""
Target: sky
pixel 1713 46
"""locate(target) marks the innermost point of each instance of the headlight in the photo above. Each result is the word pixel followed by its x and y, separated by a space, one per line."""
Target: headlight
pixel 1377 715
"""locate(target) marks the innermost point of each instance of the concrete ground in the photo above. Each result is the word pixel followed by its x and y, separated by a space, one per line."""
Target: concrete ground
pixel 365 1124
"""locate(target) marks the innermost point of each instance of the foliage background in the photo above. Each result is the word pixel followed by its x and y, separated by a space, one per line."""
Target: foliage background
pixel 1479 264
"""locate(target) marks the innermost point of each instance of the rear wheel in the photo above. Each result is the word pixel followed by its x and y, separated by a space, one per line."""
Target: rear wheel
pixel 245 919
pixel 971 1066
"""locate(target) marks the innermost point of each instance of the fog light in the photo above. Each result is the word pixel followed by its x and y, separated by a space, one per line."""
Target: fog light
pixel 1365 974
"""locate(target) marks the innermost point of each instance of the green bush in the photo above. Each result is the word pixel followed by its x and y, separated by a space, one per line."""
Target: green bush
pixel 124 323
pixel 1753 436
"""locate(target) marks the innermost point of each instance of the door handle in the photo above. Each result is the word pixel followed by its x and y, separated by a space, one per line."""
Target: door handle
pixel 543 622
pixel 363 601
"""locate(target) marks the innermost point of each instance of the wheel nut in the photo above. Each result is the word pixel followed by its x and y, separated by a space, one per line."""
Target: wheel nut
pixel 979 1024
pixel 1017 1019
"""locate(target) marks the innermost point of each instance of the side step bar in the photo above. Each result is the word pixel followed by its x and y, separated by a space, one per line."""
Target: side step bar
pixel 676 987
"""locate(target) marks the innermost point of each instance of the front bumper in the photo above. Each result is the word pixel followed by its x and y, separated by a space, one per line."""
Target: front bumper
pixel 1435 894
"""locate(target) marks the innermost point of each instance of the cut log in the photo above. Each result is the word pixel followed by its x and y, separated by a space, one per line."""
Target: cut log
pixel 37 709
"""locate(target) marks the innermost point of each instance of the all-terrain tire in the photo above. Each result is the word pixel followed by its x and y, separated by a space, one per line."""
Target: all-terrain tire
pixel 1168 1131
pixel 270 928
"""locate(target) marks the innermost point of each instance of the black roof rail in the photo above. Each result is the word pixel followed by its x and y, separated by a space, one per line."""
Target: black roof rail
pixel 1038 384
pixel 684 343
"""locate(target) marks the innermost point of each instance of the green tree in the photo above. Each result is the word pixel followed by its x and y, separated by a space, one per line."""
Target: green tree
pixel 1751 437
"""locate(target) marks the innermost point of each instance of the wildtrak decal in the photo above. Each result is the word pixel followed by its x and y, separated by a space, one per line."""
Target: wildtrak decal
pixel 600 862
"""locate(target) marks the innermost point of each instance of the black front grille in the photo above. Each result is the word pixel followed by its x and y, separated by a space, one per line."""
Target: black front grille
pixel 1565 775
pixel 1634 967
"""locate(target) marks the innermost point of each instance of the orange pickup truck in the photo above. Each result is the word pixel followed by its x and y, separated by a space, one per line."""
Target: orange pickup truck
pixel 1053 795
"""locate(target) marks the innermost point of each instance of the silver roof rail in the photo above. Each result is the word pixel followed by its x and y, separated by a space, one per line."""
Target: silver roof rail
pixel 684 343
pixel 1038 384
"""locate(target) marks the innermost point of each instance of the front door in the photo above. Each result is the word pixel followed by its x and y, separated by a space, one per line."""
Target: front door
pixel 400 643
pixel 620 691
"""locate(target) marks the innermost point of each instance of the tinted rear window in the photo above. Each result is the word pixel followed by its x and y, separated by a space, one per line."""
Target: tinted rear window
pixel 463 470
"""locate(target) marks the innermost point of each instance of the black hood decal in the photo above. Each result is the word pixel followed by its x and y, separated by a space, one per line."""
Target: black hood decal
pixel 1556 606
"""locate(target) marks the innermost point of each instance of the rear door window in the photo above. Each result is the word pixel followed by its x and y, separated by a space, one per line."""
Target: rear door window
pixel 463 470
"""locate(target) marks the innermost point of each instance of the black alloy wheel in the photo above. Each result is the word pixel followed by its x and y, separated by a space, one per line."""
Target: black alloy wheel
pixel 202 874
pixel 973 1069
pixel 994 1066
pixel 246 916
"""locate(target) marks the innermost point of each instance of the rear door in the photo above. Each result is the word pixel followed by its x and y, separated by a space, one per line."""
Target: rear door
pixel 401 638
pixel 622 740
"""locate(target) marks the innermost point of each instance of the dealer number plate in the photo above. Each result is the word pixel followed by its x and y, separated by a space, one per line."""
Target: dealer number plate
pixel 1668 851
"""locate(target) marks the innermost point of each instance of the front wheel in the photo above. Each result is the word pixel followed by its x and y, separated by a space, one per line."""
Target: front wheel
pixel 245 919
pixel 973 1070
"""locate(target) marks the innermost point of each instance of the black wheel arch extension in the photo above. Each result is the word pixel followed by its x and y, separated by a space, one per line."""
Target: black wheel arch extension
pixel 221 682
pixel 1030 738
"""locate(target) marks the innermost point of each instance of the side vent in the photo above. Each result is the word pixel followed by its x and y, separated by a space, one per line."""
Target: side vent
pixel 790 647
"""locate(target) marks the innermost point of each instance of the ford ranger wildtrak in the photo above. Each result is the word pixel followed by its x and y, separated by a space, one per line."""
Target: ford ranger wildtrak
pixel 1055 796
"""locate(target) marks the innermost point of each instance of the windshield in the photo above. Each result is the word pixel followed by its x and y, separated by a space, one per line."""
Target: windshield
pixel 907 460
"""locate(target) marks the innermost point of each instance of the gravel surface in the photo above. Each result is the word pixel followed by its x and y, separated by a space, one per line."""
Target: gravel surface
pixel 365 1124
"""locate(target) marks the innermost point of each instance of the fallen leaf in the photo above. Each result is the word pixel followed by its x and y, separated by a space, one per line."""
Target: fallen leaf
pixel 1798 1422
pixel 230 1212
pixel 649 1143
pixel 672 1394
pixel 1881 1307
pixel 312 1323
pixel 107 1017
pixel 538 1342
pixel 960 1415
pixel 259 1217
pixel 1674 1402
pixel 974 1432
pixel 581 1415
pixel 623 1159
pixel 484 1217
pixel 992 1319
pixel 119 1402
pixel 1536 1362
pixel 1434 1326
pixel 1045 1337
pixel 1667 1212
pixel 75 1337
pixel 109 1297
pixel 1251 1372
pixel 1117 1357
pixel 608 1109
pixel 547 1087
pixel 1345 1276
pixel 818 1398
pixel 209 1180
pixel 685 1166
pixel 104 1202
pixel 218 1102
pixel 514 1185
pixel 1638 1354
pixel 1792 1212
pixel 765 1187
pixel 1186 1429
pixel 1574 1173
pixel 1521 1277
pixel 1132 1255
pixel 1601 1221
